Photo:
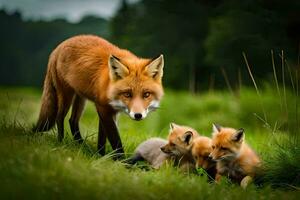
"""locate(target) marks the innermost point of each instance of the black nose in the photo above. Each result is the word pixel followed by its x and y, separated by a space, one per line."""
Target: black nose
pixel 138 116
pixel 210 157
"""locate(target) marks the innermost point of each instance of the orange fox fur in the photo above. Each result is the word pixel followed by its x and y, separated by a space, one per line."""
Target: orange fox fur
pixel 202 147
pixel 180 144
pixel 235 159
pixel 89 67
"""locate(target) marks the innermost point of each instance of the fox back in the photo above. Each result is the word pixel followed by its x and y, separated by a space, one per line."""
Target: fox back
pixel 150 151
pixel 108 75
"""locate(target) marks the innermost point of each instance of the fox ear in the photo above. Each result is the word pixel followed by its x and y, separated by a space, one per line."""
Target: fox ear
pixel 216 128
pixel 172 126
pixel 116 68
pixel 155 68
pixel 187 137
pixel 239 135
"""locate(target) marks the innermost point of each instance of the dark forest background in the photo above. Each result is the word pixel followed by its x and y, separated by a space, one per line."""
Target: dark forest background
pixel 202 40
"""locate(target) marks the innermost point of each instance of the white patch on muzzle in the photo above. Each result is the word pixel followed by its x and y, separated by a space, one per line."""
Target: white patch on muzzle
pixel 132 115
pixel 120 106
pixel 152 106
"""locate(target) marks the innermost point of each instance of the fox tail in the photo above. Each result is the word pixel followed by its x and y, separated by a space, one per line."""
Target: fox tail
pixel 48 109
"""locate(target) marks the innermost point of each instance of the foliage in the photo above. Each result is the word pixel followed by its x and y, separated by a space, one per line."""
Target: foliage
pixel 281 168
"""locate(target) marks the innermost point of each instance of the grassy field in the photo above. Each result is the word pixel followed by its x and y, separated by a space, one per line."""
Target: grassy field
pixel 36 166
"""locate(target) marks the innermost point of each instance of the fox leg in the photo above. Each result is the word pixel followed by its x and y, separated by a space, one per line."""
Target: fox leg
pixel 113 136
pixel 218 177
pixel 109 129
pixel 101 133
pixel 134 159
pixel 64 102
pixel 101 138
pixel 77 109
pixel 246 181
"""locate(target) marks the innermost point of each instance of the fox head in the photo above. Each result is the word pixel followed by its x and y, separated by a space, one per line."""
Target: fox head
pixel 226 143
pixel 180 140
pixel 136 86
pixel 202 147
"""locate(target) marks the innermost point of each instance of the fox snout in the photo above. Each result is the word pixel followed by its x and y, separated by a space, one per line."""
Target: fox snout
pixel 163 149
pixel 135 110
pixel 139 109
pixel 213 157
pixel 203 164
pixel 137 115
pixel 217 155
pixel 166 149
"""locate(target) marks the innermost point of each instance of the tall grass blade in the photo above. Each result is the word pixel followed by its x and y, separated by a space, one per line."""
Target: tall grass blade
pixel 255 85
pixel 240 80
pixel 297 96
pixel 283 84
pixel 227 80
pixel 275 77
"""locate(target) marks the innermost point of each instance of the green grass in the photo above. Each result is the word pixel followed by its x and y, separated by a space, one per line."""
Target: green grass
pixel 36 166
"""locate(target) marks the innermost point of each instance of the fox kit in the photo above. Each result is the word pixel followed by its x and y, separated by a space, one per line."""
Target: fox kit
pixel 150 151
pixel 202 147
pixel 235 159
pixel 89 67
pixel 180 142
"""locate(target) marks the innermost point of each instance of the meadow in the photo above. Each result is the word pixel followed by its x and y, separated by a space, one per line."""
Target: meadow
pixel 36 165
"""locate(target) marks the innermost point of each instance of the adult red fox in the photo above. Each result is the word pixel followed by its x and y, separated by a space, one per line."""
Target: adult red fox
pixel 89 67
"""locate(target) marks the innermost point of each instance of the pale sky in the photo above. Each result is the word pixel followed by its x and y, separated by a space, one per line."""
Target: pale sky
pixel 72 10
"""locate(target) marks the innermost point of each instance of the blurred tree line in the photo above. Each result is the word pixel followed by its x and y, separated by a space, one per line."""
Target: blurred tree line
pixel 26 45
pixel 202 40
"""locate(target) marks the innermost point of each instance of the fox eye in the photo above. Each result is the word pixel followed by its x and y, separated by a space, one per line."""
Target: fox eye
pixel 146 95
pixel 127 94
pixel 224 148
pixel 172 144
pixel 213 147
